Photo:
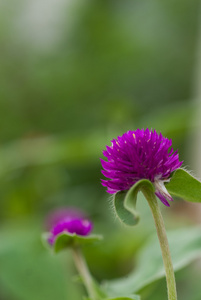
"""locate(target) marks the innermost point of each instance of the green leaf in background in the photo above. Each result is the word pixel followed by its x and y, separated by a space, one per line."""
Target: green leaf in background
pixel 66 240
pixel 132 297
pixel 185 246
pixel 125 203
pixel 185 186
pixel 29 272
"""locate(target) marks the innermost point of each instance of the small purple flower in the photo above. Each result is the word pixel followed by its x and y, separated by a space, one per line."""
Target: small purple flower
pixel 61 213
pixel 140 154
pixel 70 224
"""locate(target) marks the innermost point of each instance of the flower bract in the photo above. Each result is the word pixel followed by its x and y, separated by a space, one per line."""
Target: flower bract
pixel 136 155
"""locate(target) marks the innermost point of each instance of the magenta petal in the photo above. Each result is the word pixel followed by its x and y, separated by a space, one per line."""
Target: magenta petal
pixel 162 198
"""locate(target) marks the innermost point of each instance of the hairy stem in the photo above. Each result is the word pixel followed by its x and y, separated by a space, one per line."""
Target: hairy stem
pixel 160 228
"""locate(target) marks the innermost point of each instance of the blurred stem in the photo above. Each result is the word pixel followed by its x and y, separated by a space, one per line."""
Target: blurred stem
pixel 162 236
pixel 84 272
pixel 196 121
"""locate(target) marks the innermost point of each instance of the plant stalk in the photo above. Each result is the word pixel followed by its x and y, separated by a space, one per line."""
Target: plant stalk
pixel 162 236
pixel 84 272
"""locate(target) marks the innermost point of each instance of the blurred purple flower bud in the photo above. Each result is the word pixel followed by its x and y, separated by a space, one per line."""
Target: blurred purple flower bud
pixel 69 221
pixel 57 215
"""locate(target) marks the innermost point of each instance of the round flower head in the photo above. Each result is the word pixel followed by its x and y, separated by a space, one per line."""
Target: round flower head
pixel 140 154
pixel 61 213
pixel 71 225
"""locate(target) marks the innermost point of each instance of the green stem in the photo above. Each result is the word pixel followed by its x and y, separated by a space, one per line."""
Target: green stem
pixel 160 228
pixel 84 272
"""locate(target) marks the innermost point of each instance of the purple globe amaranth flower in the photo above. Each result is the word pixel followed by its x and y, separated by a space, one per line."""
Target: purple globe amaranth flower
pixel 61 213
pixel 140 154
pixel 71 225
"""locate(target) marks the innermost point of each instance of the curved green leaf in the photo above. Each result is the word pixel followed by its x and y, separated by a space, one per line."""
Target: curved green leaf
pixel 185 186
pixel 185 246
pixel 125 203
pixel 66 240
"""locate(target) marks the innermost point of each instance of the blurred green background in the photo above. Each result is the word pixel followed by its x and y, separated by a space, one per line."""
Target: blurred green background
pixel 74 75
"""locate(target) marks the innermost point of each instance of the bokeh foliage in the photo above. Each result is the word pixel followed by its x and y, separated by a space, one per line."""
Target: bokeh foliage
pixel 111 66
